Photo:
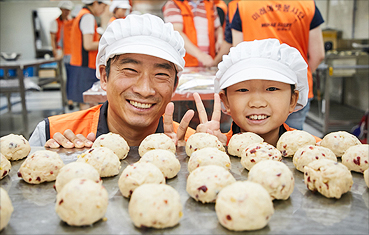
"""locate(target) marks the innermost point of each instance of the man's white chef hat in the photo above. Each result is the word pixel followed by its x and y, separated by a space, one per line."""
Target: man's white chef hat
pixel 264 59
pixel 124 4
pixel 141 34
pixel 107 2
pixel 65 5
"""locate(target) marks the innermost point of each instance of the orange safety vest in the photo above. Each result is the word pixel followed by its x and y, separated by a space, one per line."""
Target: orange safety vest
pixel 81 57
pixel 232 7
pixel 222 5
pixel 229 134
pixel 190 30
pixel 111 20
pixel 86 121
pixel 67 44
pixel 288 21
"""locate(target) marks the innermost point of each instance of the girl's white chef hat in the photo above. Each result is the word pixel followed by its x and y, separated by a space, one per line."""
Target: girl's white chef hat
pixel 141 34
pixel 264 59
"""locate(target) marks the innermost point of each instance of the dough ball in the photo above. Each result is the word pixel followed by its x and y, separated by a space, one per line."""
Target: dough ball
pixel 257 152
pixel 156 141
pixel 309 153
pixel 137 174
pixel 6 208
pixel 81 202
pixel 5 166
pixel 155 205
pixel 209 156
pixel 356 158
pixel 330 178
pixel 114 142
pixel 205 182
pixel 75 170
pixel 339 142
pixel 199 141
pixel 104 160
pixel 275 177
pixel 14 147
pixel 244 205
pixel 239 142
pixel 165 160
pixel 366 177
pixel 290 141
pixel 41 166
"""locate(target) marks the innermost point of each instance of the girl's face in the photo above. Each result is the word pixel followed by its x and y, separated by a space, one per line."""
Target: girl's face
pixel 259 106
pixel 120 13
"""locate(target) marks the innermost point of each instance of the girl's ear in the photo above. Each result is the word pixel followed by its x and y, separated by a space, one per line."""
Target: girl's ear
pixel 225 106
pixel 294 98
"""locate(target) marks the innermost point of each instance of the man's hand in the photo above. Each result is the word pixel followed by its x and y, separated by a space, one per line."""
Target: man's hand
pixel 179 137
pixel 70 140
pixel 212 126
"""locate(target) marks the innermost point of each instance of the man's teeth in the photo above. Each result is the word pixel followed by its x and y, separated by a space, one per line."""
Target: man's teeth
pixel 140 105
pixel 258 117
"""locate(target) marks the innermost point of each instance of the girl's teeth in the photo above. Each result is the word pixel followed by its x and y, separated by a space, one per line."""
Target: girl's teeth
pixel 140 105
pixel 258 117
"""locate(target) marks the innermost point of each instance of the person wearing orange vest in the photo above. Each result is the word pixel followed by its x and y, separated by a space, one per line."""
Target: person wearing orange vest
pixel 139 61
pixel 296 23
pixel 260 83
pixel 222 12
pixel 198 23
pixel 85 41
pixel 227 43
pixel 120 9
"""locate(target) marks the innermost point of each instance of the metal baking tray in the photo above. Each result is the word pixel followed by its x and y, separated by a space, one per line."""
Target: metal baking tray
pixel 304 212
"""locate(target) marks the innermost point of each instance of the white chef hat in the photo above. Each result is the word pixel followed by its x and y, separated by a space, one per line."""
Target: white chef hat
pixel 65 5
pixel 141 34
pixel 107 2
pixel 124 4
pixel 264 59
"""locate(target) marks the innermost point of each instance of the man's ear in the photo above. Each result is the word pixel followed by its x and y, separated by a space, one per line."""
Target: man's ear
pixel 293 102
pixel 103 77
pixel 224 99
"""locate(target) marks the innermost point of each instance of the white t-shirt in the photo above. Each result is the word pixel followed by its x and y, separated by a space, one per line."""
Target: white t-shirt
pixel 87 24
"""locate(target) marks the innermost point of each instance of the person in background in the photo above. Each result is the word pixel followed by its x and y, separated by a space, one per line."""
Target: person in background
pixel 120 9
pixel 260 83
pixel 198 23
pixel 60 34
pixel 222 12
pixel 85 41
pixel 139 61
pixel 296 23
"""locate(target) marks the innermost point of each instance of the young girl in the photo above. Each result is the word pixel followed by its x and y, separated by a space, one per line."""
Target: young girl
pixel 260 83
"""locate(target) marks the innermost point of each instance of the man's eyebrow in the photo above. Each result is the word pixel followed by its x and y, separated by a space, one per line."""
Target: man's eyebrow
pixel 129 61
pixel 168 66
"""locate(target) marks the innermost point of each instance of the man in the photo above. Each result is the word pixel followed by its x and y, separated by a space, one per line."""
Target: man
pixel 296 23
pixel 138 63
pixel 198 23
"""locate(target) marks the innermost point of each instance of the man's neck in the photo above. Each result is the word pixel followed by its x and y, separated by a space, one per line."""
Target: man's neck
pixel 131 134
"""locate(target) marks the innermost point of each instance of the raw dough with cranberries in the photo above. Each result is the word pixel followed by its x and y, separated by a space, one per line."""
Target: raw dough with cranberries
pixel 156 141
pixel 290 141
pixel 209 156
pixel 103 159
pixel 114 142
pixel 356 158
pixel 239 142
pixel 339 142
pixel 257 152
pixel 309 153
pixel 329 178
pixel 137 174
pixel 165 160
pixel 14 147
pixel 155 205
pixel 81 202
pixel 199 141
pixel 366 177
pixel 6 208
pixel 275 177
pixel 41 166
pixel 244 205
pixel 5 166
pixel 75 170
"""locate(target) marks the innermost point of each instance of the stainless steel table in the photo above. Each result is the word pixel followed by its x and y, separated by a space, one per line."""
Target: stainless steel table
pixel 22 64
pixel 303 213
